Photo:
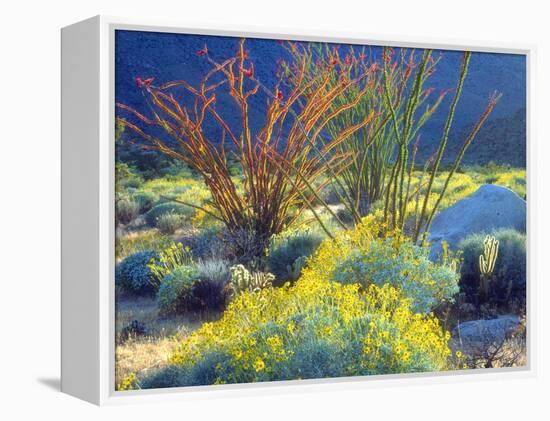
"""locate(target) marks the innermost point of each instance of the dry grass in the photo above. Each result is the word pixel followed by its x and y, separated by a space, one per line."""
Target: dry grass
pixel 144 353
pixel 141 356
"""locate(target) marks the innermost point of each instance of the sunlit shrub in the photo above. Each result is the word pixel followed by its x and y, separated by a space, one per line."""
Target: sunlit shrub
pixel 402 265
pixel 175 291
pixel 168 223
pixel 133 274
pixel 361 256
pixel 168 259
pixel 153 215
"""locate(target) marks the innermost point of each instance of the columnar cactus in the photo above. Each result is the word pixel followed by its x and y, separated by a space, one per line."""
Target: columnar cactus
pixel 488 259
pixel 487 262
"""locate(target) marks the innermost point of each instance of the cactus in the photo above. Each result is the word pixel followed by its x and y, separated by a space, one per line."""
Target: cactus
pixel 242 280
pixel 487 262
pixel 295 269
pixel 488 259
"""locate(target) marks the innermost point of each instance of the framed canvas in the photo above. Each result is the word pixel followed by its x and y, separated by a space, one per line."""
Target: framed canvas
pixel 244 210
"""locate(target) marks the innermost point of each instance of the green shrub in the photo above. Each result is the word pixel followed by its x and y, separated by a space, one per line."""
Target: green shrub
pixel 285 252
pixel 510 267
pixel 399 263
pixel 126 210
pixel 151 217
pixel 175 292
pixel 145 199
pixel 170 258
pixel 133 274
pixel 168 223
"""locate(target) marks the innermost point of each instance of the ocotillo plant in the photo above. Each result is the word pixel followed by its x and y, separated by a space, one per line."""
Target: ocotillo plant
pixel 372 148
pixel 273 196
pixel 397 194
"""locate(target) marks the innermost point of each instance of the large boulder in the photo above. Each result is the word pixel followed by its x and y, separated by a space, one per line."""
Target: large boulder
pixel 490 207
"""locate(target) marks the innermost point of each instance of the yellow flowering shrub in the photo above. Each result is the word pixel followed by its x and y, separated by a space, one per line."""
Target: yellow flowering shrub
pixel 316 328
pixel 363 256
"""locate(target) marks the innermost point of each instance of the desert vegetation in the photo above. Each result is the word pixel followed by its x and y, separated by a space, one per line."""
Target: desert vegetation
pixel 287 229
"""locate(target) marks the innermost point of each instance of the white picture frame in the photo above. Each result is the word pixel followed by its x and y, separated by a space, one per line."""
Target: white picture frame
pixel 88 214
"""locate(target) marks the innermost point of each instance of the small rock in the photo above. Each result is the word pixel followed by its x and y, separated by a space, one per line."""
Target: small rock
pixel 478 335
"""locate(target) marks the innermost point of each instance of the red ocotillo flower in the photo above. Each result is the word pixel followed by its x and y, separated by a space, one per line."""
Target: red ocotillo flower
pixel 248 72
pixel 203 51
pixel 244 54
pixel 142 83
pixel 428 91
pixel 279 95
pixel 388 54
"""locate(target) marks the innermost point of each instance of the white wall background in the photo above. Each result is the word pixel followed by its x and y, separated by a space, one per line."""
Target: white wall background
pixel 29 210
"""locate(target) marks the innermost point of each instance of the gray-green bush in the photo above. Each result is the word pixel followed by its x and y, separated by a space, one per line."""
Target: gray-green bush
pixel 151 217
pixel 126 210
pixel 168 223
pixel 133 275
pixel 175 291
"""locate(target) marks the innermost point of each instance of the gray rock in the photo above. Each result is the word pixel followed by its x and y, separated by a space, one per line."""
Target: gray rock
pixel 490 207
pixel 477 335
